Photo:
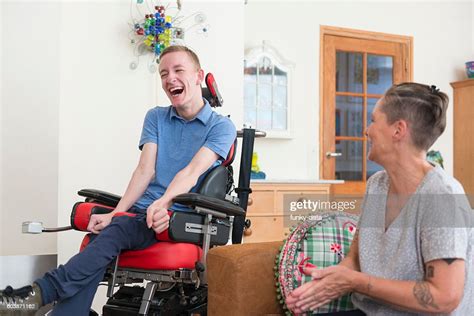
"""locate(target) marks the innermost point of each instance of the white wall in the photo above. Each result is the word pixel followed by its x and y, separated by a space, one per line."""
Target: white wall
pixel 1 124
pixel 66 85
pixel 29 129
pixel 103 102
pixel 72 110
pixel 443 41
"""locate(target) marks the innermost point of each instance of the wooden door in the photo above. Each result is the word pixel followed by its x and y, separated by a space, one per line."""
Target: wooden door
pixel 357 68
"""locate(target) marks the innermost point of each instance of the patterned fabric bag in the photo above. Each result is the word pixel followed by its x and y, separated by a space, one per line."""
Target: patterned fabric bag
pixel 322 242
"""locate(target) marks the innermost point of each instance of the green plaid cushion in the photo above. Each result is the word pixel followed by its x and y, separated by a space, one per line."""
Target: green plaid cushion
pixel 323 242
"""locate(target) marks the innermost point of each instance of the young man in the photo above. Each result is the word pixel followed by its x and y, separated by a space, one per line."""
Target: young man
pixel 179 144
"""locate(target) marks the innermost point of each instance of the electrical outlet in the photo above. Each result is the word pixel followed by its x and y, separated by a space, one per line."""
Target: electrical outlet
pixel 32 228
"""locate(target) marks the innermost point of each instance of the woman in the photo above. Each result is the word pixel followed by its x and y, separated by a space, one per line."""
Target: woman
pixel 413 252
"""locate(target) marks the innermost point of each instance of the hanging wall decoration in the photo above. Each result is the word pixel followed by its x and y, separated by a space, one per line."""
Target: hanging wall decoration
pixel 155 26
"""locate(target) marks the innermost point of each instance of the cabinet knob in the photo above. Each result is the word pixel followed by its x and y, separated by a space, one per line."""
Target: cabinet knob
pixel 250 201
pixel 302 199
pixel 247 232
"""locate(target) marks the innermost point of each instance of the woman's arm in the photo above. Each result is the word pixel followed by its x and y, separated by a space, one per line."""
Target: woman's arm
pixel 439 292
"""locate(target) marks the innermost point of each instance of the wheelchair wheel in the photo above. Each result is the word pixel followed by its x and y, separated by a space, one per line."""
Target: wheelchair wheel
pixel 127 300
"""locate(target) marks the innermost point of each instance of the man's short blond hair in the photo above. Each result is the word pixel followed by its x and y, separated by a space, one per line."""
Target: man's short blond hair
pixel 180 48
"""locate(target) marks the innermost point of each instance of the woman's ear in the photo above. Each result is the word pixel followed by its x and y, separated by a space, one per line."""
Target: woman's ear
pixel 401 130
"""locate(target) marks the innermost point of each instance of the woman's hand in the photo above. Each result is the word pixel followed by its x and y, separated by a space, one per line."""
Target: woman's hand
pixel 327 285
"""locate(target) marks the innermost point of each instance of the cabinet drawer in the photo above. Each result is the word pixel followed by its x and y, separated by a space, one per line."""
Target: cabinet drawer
pixel 261 203
pixel 265 228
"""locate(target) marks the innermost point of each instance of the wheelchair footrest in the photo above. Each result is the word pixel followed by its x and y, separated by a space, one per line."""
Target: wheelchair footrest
pixel 126 301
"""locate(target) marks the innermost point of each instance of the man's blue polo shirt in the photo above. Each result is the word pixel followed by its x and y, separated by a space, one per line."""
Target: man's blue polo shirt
pixel 178 141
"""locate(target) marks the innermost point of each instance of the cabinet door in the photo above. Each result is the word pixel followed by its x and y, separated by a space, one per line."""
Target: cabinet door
pixel 261 203
pixel 265 228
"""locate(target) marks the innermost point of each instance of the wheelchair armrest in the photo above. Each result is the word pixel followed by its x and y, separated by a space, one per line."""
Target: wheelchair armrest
pixel 189 227
pixel 101 197
pixel 82 211
pixel 195 199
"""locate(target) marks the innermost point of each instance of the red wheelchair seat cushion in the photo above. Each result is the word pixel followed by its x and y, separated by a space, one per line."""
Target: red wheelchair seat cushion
pixel 160 256
pixel 164 255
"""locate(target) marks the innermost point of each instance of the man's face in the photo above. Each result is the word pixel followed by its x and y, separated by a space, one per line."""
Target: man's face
pixel 180 79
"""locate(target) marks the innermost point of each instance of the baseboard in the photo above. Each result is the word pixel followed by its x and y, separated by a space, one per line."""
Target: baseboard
pixel 18 271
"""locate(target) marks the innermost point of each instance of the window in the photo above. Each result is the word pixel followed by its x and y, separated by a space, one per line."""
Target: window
pixel 266 92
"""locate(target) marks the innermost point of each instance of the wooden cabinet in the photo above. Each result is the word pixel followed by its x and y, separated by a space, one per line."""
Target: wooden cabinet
pixel 265 209
pixel 463 108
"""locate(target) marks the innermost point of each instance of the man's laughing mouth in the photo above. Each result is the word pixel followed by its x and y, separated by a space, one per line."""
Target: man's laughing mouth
pixel 176 91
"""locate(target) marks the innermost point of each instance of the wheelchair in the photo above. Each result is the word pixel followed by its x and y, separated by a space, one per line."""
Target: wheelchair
pixel 173 269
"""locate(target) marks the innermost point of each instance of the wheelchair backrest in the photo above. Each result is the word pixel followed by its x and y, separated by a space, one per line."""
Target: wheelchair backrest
pixel 218 182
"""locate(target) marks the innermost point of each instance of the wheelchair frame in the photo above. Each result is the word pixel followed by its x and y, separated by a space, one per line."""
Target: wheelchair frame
pixel 166 279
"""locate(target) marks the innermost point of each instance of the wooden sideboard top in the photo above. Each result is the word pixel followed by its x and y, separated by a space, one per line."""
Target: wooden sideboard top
pixel 290 182
pixel 463 83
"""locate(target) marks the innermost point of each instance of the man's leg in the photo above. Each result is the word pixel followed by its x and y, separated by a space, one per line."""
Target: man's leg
pixel 80 303
pixel 78 279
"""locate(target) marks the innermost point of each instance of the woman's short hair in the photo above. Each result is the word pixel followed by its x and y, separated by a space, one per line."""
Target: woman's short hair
pixel 422 106
pixel 180 48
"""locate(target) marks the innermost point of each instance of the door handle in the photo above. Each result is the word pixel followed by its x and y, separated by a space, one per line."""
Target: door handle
pixel 333 155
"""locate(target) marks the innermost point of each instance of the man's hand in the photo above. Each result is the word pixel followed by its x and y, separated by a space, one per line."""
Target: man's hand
pixel 327 285
pixel 98 222
pixel 157 216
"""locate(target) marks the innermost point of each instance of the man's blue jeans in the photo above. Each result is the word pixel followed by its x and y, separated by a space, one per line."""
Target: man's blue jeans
pixel 74 284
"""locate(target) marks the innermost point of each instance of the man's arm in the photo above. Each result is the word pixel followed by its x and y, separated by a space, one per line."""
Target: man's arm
pixel 183 182
pixel 141 177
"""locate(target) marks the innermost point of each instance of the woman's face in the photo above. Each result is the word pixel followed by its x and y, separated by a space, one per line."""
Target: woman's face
pixel 379 134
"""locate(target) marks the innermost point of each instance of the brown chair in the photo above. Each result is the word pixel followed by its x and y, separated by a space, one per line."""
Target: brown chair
pixel 241 280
